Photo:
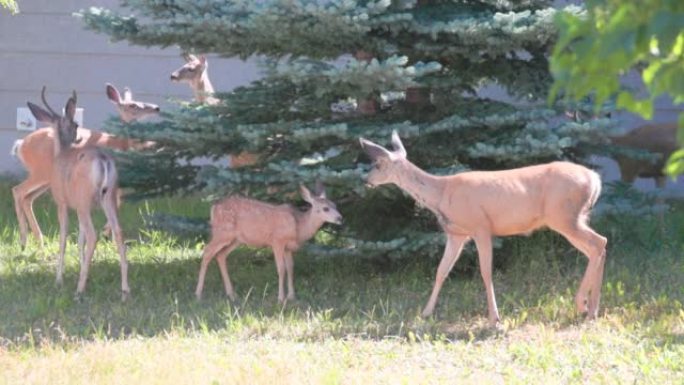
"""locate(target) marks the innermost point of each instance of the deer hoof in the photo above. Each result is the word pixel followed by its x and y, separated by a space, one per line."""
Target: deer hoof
pixel 125 295
pixel 78 297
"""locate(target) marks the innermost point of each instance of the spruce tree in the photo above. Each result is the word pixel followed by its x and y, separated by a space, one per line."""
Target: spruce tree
pixel 337 70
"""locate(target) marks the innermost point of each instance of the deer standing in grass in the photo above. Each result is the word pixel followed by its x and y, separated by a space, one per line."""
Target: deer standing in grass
pixel 479 205
pixel 194 73
pixel 36 153
pixel 239 221
pixel 82 176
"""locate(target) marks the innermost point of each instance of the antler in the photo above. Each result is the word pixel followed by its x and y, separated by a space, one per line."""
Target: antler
pixel 45 103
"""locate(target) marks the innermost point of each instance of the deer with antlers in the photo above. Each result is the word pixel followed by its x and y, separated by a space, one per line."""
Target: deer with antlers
pixel 194 73
pixel 36 153
pixel 81 176
pixel 481 204
pixel 239 221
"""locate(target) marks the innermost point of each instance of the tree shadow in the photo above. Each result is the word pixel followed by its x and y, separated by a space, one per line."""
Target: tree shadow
pixel 337 298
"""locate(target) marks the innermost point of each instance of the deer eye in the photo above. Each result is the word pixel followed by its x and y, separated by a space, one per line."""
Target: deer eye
pixel 326 209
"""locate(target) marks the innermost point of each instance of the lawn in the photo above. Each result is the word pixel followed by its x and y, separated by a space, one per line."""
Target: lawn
pixel 356 320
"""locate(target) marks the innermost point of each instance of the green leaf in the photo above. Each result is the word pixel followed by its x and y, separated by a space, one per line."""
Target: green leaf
pixel 675 164
pixel 642 107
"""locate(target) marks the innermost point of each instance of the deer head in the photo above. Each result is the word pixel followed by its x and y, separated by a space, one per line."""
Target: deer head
pixel 387 165
pixel 65 125
pixel 129 109
pixel 321 207
pixel 192 70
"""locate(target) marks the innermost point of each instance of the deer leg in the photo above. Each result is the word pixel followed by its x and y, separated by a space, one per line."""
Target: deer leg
pixel 86 222
pixel 208 254
pixel 21 218
pixel 107 229
pixel 221 260
pixel 24 194
pixel 63 218
pixel 593 246
pixel 452 251
pixel 110 208
pixel 81 243
pixel 289 267
pixel 279 255
pixel 28 211
pixel 484 250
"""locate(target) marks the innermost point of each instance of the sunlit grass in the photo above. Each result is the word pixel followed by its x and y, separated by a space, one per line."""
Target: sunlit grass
pixel 355 320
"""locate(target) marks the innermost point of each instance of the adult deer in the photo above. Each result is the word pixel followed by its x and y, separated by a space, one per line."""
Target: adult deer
pixel 237 220
pixel 36 153
pixel 480 204
pixel 81 176
pixel 194 73
pixel 130 110
pixel 657 138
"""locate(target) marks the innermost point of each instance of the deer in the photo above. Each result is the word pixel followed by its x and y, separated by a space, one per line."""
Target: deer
pixel 238 220
pixel 194 73
pixel 478 205
pixel 81 176
pixel 129 109
pixel 36 153
pixel 657 138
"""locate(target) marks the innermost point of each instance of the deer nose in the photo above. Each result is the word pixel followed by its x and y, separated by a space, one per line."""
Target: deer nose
pixel 156 109
pixel 338 220
pixel 174 76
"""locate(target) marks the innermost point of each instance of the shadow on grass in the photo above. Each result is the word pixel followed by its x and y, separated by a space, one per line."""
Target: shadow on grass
pixel 336 298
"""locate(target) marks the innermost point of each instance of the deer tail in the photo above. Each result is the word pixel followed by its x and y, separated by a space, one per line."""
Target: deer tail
pixel 15 149
pixel 104 175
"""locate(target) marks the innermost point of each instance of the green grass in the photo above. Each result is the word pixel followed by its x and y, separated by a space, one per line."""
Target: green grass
pixel 355 320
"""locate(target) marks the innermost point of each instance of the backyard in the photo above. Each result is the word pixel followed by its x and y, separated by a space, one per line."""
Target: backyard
pixel 356 320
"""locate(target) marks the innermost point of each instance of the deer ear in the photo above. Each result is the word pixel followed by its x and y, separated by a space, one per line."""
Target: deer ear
pixel 113 94
pixel 306 194
pixel 399 149
pixel 70 109
pixel 374 151
pixel 188 57
pixel 319 189
pixel 128 95
pixel 202 59
pixel 41 115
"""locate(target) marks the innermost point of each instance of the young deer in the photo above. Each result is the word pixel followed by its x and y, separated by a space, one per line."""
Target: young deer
pixel 478 205
pixel 36 152
pixel 81 176
pixel 236 221
pixel 194 73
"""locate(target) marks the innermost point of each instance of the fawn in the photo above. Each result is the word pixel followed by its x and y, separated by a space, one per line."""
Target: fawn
pixel 236 221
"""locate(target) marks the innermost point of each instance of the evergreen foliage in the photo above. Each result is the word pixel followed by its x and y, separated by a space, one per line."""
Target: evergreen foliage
pixel 334 71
